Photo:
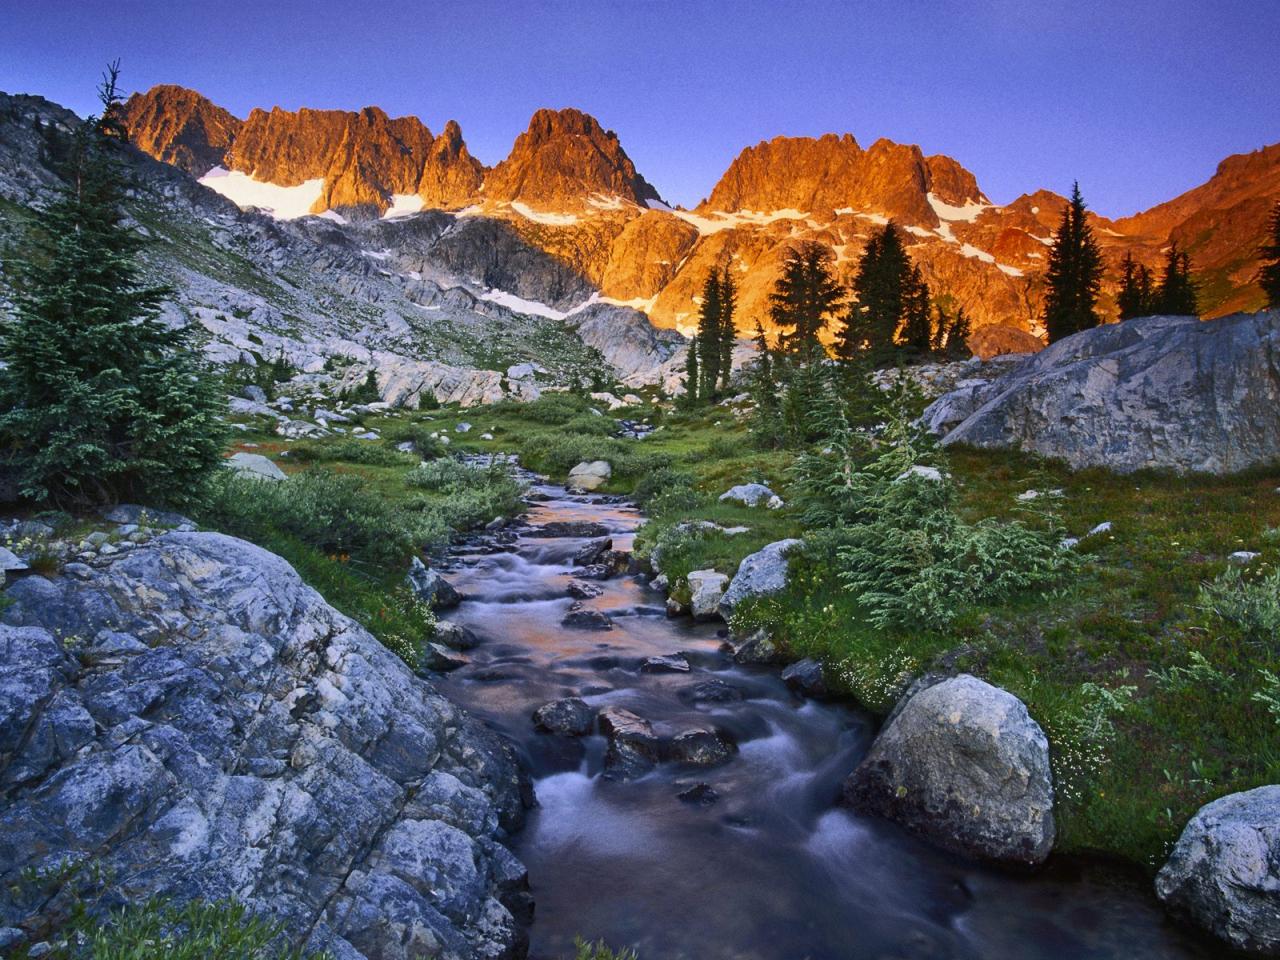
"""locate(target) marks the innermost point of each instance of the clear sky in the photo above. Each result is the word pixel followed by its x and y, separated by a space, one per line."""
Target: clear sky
pixel 1137 99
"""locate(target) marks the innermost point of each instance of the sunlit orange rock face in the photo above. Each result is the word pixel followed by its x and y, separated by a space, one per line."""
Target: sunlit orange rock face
pixel 562 160
pixel 181 127
pixel 570 189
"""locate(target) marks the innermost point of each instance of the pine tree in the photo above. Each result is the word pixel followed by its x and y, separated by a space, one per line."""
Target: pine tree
pixel 708 336
pixel 1176 295
pixel 101 400
pixel 728 327
pixel 1130 299
pixel 917 319
pixel 1074 274
pixel 766 419
pixel 1270 252
pixel 889 293
pixel 951 334
pixel 804 298
pixel 691 382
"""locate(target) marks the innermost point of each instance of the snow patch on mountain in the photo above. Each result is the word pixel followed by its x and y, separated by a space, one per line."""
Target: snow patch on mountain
pixel 968 213
pixel 719 220
pixel 537 216
pixel 283 203
pixel 403 205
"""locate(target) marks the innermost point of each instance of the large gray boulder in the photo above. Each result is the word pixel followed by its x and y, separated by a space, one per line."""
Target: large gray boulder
pixel 590 475
pixel 706 589
pixel 1224 872
pixel 430 586
pixel 197 721
pixel 254 465
pixel 760 574
pixel 1172 393
pixel 963 765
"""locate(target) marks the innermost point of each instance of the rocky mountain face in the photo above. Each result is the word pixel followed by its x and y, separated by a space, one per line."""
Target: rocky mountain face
pixel 445 302
pixel 569 190
pixel 564 159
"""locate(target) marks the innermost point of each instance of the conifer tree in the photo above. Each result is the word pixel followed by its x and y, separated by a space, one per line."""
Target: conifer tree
pixel 728 327
pixel 1270 252
pixel 101 400
pixel 1134 297
pixel 766 419
pixel 1074 274
pixel 1176 295
pixel 951 334
pixel 917 318
pixel 708 336
pixel 691 382
pixel 803 299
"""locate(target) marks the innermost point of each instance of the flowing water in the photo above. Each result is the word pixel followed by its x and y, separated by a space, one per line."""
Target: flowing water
pixel 776 869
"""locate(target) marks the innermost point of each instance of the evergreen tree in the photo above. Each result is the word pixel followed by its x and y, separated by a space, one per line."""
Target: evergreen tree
pixel 1176 295
pixel 917 318
pixel 1270 252
pixel 803 299
pixel 765 424
pixel 728 327
pixel 101 400
pixel 1134 298
pixel 1074 274
pixel 951 334
pixel 892 306
pixel 707 337
pixel 691 382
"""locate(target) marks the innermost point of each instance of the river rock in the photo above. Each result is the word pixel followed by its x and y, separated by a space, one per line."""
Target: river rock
pixel 571 717
pixel 1224 872
pixel 455 635
pixel 759 574
pixel 706 588
pixel 714 690
pixel 672 663
pixel 588 476
pixel 700 795
pixel 1171 393
pixel 439 658
pixel 585 618
pixel 254 465
pixel 593 551
pixel 633 747
pixel 963 765
pixel 430 587
pixel 247 741
pixel 700 747
pixel 759 648
pixel 584 591
pixel 569 529
pixel 805 676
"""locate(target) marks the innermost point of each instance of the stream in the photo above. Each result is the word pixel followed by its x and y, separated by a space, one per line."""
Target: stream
pixel 775 868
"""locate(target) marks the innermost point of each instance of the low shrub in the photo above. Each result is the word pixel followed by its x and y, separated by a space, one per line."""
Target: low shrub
pixel 419 434
pixel 367 452
pixel 336 513
pixel 1250 604
pixel 557 408
pixel 599 950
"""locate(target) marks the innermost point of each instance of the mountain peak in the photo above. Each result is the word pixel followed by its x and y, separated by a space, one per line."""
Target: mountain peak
pixel 180 126
pixel 564 157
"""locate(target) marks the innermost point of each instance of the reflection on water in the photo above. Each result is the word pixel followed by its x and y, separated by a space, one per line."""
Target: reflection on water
pixel 775 869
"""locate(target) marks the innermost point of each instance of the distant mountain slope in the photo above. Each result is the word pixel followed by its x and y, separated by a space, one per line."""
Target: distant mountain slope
pixel 569 189
pixel 453 301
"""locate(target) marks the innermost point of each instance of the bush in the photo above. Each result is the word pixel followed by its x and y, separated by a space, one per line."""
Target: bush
pixel 419 434
pixel 591 425
pixel 1252 606
pixel 333 512
pixel 346 450
pixel 558 453
pixel 462 496
pixel 599 950
pixel 557 408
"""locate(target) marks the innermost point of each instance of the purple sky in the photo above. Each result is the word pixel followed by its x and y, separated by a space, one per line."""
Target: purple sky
pixel 1137 99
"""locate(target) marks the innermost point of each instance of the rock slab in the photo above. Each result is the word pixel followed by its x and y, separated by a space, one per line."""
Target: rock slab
pixel 196 719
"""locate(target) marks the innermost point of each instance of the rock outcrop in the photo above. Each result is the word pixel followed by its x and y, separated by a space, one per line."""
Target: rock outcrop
pixel 1168 393
pixel 181 127
pixel 195 720
pixel 1224 872
pixel 962 764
